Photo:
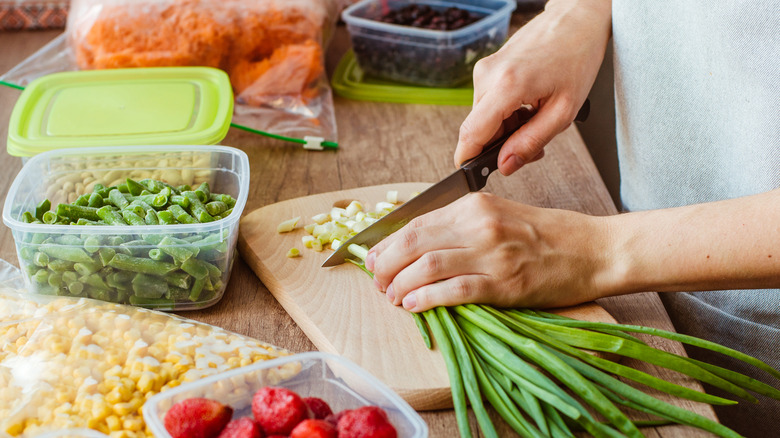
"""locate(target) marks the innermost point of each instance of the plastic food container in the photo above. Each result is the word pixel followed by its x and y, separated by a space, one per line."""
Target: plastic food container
pixel 336 380
pixel 78 260
pixel 73 433
pixel 121 107
pixel 422 56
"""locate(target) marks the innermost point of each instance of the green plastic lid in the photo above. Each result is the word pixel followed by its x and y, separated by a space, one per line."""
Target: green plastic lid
pixel 351 82
pixel 136 106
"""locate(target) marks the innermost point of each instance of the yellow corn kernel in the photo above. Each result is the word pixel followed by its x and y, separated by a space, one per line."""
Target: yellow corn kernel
pixel 113 423
pixel 102 428
pixel 114 396
pixel 134 424
pixel 146 381
pixel 15 429
pixel 123 409
pixel 114 371
pixel 129 384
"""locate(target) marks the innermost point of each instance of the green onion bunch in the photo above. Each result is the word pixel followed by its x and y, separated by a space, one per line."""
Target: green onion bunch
pixel 537 371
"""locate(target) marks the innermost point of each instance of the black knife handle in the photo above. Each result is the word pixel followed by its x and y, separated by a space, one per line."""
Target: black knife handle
pixel 479 168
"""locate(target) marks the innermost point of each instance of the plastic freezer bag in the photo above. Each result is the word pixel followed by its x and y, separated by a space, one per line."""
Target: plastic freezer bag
pixel 68 363
pixel 273 51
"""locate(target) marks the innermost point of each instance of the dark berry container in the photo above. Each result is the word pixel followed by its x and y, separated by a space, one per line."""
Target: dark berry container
pixel 429 55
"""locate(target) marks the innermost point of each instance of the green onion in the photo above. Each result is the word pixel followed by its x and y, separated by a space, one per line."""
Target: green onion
pixel 520 361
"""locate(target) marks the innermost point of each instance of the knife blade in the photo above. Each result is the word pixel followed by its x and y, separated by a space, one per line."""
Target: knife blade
pixel 471 177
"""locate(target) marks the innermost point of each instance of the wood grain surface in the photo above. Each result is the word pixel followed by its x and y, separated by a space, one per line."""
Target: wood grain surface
pixel 380 144
pixel 339 309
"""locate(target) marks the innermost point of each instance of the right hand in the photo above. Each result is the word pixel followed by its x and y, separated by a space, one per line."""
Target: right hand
pixel 549 64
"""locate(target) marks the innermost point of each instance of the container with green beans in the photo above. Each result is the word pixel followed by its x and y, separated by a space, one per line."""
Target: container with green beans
pixel 144 242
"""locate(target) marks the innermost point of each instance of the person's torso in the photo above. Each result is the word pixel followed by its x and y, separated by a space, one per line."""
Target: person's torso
pixel 697 101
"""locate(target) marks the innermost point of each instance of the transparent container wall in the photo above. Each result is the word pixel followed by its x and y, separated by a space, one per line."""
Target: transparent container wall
pixel 342 384
pixel 81 260
pixel 421 56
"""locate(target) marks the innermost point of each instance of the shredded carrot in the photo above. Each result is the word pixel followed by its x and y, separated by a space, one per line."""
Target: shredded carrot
pixel 266 52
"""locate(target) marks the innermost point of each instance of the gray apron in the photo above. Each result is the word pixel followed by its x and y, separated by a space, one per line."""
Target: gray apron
pixel 697 96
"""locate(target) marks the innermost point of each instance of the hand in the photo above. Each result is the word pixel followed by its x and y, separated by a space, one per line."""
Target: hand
pixel 501 253
pixel 549 64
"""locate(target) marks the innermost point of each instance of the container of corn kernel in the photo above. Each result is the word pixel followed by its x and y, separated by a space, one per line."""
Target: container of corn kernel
pixel 81 368
pixel 152 226
pixel 338 381
pixel 121 107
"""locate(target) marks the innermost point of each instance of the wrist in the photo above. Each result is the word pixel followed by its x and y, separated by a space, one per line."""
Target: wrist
pixel 617 273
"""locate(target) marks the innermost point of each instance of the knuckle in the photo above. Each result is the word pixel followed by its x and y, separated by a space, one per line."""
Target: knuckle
pixel 461 290
pixel 483 66
pixel 409 241
pixel 431 263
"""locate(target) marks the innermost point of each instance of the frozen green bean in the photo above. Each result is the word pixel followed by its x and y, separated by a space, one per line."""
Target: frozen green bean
pixel 151 217
pixel 180 200
pixel 118 199
pixel 215 208
pixel 68 253
pixel 134 187
pixel 75 212
pixel 82 200
pixel 132 218
pixel 181 215
pixel 110 216
pixel 49 217
pixel 95 200
pixel 154 268
pixel 148 286
pixel 42 208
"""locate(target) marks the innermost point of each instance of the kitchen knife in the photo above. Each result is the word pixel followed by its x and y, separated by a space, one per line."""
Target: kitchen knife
pixel 471 177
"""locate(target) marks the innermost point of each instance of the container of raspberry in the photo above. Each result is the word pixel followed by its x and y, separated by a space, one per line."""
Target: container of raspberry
pixel 339 382
pixel 428 42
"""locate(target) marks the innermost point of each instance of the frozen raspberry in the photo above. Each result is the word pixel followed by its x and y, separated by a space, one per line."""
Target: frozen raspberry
pixel 318 407
pixel 197 418
pixel 365 422
pixel 334 418
pixel 278 410
pixel 241 428
pixel 312 428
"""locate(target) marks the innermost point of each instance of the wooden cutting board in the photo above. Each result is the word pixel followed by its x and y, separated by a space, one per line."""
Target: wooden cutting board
pixel 340 310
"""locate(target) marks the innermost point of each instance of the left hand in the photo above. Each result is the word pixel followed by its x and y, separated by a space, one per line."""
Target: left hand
pixel 501 252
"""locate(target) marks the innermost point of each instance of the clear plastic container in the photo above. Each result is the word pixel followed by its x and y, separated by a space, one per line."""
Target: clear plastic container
pixel 73 433
pixel 83 260
pixel 427 57
pixel 341 383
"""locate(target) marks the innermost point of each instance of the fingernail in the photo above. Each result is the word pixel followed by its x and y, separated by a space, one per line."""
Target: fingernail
pixel 390 293
pixel 511 164
pixel 410 301
pixel 370 259
pixel 378 286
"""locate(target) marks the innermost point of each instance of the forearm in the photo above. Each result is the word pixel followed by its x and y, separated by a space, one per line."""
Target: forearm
pixel 732 244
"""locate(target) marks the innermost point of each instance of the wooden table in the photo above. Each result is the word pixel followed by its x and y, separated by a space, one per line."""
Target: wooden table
pixel 379 143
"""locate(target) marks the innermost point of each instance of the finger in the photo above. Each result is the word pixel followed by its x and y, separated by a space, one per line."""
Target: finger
pixel 523 146
pixel 538 157
pixel 430 267
pixel 485 118
pixel 408 247
pixel 390 240
pixel 457 290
